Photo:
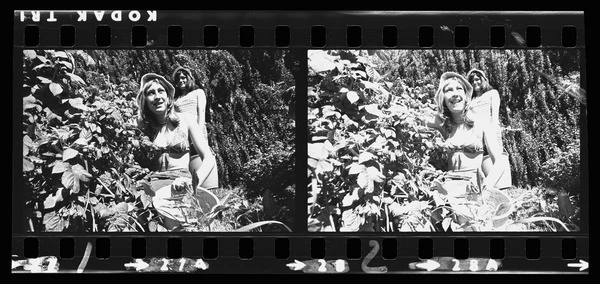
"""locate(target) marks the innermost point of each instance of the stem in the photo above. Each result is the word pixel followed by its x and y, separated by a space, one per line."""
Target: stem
pixel 31 225
pixel 106 187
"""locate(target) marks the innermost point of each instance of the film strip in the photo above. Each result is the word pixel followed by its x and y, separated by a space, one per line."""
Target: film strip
pixel 312 120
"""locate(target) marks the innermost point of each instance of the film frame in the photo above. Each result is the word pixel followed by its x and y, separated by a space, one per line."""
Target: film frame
pixel 302 250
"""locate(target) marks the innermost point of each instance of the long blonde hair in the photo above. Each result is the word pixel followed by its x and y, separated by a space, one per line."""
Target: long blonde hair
pixel 148 119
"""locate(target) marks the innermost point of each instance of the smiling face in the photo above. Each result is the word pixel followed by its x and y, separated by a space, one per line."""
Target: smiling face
pixel 156 98
pixel 182 80
pixel 455 97
pixel 476 82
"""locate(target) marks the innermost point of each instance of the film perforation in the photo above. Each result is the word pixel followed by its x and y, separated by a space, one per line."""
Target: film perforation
pixel 568 248
pixel 103 36
pixel 282 248
pixel 31 36
pixel 569 36
pixel 353 248
pixel 318 248
pixel 461 36
pixel 496 248
pixel 389 248
pixel 175 36
pixel 67 35
pixel 31 247
pixel 246 248
pixel 318 36
pixel 389 36
pixel 174 248
pixel 211 36
pixel 210 248
pixel 533 36
pixel 246 36
pixel 461 248
pixel 426 36
pixel 139 36
pixel 425 248
pixel 138 247
pixel 282 36
pixel 354 36
pixel 532 248
pixel 103 246
pixel 67 248
pixel 497 36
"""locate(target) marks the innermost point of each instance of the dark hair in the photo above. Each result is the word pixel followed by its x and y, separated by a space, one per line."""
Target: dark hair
pixel 485 85
pixel 190 85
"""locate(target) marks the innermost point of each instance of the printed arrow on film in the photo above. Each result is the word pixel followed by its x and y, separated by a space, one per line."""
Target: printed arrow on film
pixel 583 265
pixel 429 265
pixel 320 266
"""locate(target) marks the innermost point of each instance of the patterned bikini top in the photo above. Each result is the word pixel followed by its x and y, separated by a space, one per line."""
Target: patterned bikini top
pixel 178 139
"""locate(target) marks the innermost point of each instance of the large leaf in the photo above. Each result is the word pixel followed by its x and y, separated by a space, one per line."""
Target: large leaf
pixel 30 54
pixel 81 173
pixel 76 78
pixel 70 181
pixel 352 97
pixel 56 89
pixel 374 110
pixel 351 221
pixel 69 154
pixel 319 61
pixel 365 157
pixel 54 223
pixel 27 165
pixel 50 201
pixel 317 151
pixel 60 167
pixel 78 104
pixel 356 168
pixel 44 80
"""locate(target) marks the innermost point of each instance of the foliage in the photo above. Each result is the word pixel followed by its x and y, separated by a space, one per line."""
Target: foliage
pixel 372 166
pixel 83 159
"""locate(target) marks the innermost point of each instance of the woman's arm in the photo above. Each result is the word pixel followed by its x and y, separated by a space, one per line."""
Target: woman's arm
pixel 202 147
pixel 495 106
pixel 490 134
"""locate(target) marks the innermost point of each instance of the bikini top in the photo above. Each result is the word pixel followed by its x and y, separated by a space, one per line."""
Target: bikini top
pixel 177 139
pixel 188 104
pixel 465 138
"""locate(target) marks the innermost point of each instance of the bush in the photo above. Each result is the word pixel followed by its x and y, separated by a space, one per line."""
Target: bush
pixel 563 170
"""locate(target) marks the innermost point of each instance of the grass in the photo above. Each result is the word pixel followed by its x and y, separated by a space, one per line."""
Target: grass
pixel 536 209
pixel 236 213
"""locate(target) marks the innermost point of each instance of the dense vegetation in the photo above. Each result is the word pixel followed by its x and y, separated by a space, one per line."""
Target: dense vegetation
pixel 82 157
pixel 374 167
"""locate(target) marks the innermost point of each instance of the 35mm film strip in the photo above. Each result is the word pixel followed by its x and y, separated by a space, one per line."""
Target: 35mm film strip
pixel 287 142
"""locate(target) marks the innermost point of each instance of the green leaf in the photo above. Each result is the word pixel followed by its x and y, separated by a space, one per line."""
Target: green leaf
pixel 350 221
pixel 349 199
pixel 67 64
pixel 374 110
pixel 60 167
pixel 56 89
pixel 36 160
pixel 81 141
pixel 69 154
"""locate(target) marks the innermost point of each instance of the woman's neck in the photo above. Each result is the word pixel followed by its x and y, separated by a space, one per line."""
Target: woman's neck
pixel 161 120
pixel 457 117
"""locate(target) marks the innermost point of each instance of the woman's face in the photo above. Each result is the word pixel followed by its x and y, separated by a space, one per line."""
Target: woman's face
pixel 476 82
pixel 156 98
pixel 182 80
pixel 454 96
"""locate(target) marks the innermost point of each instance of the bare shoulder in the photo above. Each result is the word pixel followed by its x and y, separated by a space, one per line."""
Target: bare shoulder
pixel 199 92
pixel 493 93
